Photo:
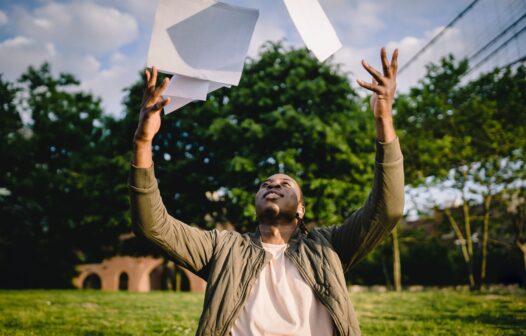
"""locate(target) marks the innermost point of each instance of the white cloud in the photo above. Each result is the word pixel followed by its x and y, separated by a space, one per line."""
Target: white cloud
pixel 3 18
pixel 20 52
pixel 104 42
pixel 264 31
pixel 85 66
pixel 78 26
pixel 42 23
pixel 109 83
pixel 82 38
pixel 117 57
pixel 450 42
pixel 355 22
pixel 142 10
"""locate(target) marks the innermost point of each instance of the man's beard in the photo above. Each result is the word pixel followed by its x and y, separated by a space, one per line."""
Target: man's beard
pixel 271 214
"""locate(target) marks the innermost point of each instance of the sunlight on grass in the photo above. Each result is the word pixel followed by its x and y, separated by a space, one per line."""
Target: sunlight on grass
pixel 64 312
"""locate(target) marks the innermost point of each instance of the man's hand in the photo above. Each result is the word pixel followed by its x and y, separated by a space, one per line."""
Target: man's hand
pixel 149 119
pixel 151 106
pixel 384 88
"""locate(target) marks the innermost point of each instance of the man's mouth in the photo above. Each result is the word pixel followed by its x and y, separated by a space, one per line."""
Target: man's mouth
pixel 272 192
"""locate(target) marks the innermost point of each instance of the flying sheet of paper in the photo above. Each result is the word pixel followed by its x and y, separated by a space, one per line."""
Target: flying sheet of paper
pixel 176 103
pixel 183 90
pixel 203 39
pixel 187 87
pixel 314 27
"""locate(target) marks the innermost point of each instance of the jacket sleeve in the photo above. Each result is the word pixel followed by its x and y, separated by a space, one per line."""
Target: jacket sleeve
pixel 191 247
pixel 367 226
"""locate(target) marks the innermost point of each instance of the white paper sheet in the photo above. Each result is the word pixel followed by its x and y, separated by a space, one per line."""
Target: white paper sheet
pixel 215 85
pixel 187 87
pixel 314 27
pixel 202 39
pixel 203 43
pixel 176 103
pixel 184 90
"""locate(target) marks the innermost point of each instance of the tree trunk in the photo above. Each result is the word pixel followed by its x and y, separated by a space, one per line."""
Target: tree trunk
pixel 397 270
pixel 178 280
pixel 467 227
pixel 465 253
pixel 469 241
pixel 518 223
pixel 522 248
pixel 485 237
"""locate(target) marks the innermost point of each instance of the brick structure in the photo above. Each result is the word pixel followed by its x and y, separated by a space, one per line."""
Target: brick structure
pixel 136 274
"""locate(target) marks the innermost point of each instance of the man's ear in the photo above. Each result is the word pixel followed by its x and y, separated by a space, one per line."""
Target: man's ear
pixel 301 210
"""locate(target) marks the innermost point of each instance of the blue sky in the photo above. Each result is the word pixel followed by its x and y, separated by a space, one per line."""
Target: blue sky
pixel 105 42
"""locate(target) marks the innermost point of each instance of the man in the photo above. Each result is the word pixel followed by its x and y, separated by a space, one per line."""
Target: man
pixel 281 279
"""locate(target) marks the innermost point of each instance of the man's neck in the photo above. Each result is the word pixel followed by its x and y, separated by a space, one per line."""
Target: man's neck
pixel 277 232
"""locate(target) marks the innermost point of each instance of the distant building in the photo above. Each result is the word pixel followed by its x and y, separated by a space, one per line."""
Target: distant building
pixel 140 274
pixel 137 274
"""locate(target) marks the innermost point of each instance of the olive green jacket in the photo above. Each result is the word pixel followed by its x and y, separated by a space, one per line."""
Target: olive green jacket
pixel 230 262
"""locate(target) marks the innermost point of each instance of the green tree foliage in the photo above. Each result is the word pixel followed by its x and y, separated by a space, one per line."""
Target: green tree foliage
pixel 289 114
pixel 472 134
pixel 10 124
pixel 63 193
pixel 446 124
pixel 433 143
pixel 66 200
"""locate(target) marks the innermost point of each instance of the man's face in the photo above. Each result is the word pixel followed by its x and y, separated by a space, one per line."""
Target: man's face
pixel 279 195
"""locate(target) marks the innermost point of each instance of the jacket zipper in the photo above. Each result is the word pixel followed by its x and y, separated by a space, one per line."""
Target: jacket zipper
pixel 318 295
pixel 242 298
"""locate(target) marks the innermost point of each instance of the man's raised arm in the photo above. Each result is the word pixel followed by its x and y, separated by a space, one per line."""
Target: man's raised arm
pixel 366 227
pixel 190 247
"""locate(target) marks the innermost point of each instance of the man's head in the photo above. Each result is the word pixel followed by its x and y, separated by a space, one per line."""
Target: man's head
pixel 279 196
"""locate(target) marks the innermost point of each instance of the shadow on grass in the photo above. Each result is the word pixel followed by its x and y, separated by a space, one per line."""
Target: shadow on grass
pixel 504 321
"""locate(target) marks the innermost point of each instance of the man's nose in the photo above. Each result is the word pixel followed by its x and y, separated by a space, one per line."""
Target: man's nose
pixel 274 185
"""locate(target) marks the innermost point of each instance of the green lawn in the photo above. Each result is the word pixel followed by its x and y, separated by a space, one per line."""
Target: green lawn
pixel 168 313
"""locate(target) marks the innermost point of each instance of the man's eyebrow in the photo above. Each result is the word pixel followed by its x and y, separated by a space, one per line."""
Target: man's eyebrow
pixel 263 182
pixel 284 178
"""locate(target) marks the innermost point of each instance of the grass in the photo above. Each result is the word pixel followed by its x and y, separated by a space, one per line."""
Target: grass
pixel 41 312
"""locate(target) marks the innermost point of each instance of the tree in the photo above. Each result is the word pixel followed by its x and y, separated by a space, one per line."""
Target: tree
pixel 501 151
pixel 67 200
pixel 397 267
pixel 516 207
pixel 10 124
pixel 63 195
pixel 467 135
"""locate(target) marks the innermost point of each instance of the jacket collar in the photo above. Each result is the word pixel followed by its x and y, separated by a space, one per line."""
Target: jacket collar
pixel 297 235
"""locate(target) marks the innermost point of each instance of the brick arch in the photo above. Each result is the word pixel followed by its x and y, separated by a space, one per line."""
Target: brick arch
pixel 138 270
pixel 124 281
pixel 86 271
pixel 88 275
pixel 197 284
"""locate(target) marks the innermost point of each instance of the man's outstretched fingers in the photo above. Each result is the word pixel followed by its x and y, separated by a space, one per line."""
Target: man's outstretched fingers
pixel 394 61
pixel 159 90
pixel 385 63
pixel 147 75
pixel 161 104
pixel 369 86
pixel 146 91
pixel 153 79
pixel 375 73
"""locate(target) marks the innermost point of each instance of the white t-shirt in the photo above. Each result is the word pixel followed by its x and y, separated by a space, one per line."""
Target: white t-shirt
pixel 281 303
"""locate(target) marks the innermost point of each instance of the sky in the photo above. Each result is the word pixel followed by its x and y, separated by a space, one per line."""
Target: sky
pixel 104 43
